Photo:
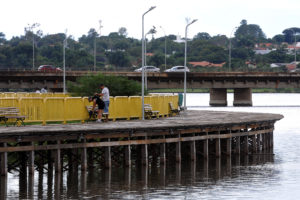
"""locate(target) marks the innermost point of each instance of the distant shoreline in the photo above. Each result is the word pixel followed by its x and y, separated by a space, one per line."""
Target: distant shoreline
pixel 262 90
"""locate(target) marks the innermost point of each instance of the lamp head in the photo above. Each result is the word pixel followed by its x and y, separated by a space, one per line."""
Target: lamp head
pixel 152 8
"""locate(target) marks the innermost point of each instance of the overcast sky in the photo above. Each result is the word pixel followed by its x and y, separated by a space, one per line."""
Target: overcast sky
pixel 214 16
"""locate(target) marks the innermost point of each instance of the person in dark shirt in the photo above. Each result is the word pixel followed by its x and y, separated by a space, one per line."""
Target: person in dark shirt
pixel 97 101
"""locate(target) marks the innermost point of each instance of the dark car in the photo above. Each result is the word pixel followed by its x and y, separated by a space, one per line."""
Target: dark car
pixel 49 68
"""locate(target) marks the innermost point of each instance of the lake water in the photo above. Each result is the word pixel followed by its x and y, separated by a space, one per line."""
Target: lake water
pixel 253 177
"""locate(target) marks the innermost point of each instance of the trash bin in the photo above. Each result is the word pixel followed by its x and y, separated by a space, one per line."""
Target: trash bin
pixel 180 99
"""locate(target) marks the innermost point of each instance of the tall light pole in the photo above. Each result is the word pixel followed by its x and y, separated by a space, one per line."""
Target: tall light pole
pixel 294 33
pixel 95 51
pixel 151 31
pixel 185 48
pixel 31 28
pixel 143 60
pixel 64 62
pixel 229 57
pixel 165 47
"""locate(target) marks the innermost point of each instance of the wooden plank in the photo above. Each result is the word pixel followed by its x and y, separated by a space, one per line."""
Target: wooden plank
pixel 129 142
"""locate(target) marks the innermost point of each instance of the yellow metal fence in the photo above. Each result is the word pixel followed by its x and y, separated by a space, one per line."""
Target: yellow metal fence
pixel 50 108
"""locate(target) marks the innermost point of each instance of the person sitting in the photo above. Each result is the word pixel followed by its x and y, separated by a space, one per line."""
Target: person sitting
pixel 97 101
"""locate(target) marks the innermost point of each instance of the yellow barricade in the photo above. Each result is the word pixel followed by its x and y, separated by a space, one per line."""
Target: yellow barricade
pixel 135 107
pixel 121 108
pixel 40 108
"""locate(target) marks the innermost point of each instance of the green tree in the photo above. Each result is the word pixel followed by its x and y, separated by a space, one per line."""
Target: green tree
pixel 118 86
pixel 248 35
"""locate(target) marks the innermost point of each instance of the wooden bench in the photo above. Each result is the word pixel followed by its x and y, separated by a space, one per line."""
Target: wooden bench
pixel 149 113
pixel 93 114
pixel 173 110
pixel 7 113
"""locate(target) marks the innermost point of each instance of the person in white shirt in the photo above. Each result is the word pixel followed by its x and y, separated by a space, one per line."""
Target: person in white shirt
pixel 105 97
pixel 44 90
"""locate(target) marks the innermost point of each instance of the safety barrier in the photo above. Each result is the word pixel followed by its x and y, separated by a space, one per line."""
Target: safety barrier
pixel 62 109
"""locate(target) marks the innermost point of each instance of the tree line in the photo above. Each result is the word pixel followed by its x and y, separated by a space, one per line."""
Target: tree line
pixel 116 51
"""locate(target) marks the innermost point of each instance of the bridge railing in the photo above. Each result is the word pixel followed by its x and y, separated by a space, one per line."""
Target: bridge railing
pixel 65 109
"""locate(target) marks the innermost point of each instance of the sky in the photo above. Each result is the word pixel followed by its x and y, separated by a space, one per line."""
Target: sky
pixel 169 17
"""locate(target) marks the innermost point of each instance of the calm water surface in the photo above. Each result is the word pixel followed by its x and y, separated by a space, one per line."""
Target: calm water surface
pixel 253 177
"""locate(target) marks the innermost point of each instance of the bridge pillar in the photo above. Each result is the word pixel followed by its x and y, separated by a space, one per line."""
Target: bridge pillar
pixel 218 97
pixel 242 97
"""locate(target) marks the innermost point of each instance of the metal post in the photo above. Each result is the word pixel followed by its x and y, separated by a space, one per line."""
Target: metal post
pixel 165 47
pixel 229 66
pixel 95 52
pixel 143 61
pixel 185 49
pixel 146 86
pixel 32 51
pixel 64 63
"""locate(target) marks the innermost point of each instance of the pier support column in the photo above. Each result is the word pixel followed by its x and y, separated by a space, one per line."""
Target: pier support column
pixel 108 156
pixel 193 150
pixel 263 142
pixel 178 150
pixel 242 97
pixel 238 145
pixel 218 97
pixel 31 161
pixel 84 157
pixel 246 145
pixel 254 144
pixel 205 148
pixel 3 158
pixel 218 146
pixel 58 159
pixel 163 153
pixel 228 147
pixel 271 140
pixel 127 156
pixel 145 153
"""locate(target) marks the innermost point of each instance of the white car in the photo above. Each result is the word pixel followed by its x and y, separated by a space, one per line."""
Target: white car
pixel 178 69
pixel 148 69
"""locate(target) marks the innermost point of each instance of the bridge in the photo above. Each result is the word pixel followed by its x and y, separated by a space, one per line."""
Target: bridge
pixel 218 82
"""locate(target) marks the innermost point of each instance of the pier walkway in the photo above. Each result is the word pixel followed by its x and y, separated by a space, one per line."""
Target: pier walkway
pixel 188 135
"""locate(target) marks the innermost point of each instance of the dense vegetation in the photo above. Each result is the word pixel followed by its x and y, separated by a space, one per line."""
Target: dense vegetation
pixel 118 86
pixel 118 52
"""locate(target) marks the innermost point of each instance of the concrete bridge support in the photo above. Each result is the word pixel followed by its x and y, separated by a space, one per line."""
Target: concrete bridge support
pixel 218 97
pixel 242 97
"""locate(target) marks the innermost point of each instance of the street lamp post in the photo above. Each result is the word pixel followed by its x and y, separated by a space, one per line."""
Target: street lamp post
pixel 151 31
pixel 31 28
pixel 146 85
pixel 165 47
pixel 185 49
pixel 64 62
pixel 229 59
pixel 95 55
pixel 143 60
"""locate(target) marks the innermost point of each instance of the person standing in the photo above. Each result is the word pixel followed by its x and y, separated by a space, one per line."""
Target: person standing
pixel 105 97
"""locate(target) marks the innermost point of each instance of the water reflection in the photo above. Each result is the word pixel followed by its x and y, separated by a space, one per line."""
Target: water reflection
pixel 139 181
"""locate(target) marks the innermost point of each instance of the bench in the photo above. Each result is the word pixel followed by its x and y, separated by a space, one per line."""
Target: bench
pixel 7 113
pixel 93 114
pixel 149 113
pixel 173 110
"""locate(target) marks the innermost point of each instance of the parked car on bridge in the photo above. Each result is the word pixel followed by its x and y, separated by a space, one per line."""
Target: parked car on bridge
pixel 49 68
pixel 148 69
pixel 178 69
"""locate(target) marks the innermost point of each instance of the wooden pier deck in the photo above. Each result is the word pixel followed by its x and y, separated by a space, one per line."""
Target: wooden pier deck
pixel 191 134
